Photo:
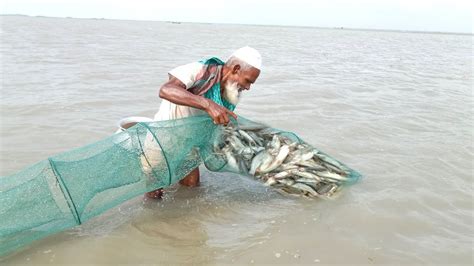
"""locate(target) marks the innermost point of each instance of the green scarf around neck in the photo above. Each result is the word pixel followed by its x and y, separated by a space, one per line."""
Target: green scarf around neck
pixel 214 93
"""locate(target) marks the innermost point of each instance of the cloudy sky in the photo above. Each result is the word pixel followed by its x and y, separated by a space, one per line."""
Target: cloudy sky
pixel 419 15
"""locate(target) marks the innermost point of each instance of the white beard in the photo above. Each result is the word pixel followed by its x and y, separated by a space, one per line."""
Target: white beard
pixel 231 92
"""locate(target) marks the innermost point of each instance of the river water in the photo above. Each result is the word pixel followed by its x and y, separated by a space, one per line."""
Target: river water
pixel 396 106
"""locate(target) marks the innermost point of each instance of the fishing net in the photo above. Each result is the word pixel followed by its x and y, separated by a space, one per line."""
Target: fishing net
pixel 70 188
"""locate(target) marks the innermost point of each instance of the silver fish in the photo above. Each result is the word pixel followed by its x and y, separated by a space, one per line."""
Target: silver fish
pixel 231 161
pixel 282 153
pixel 236 143
pixel 329 160
pixel 286 181
pixel 327 174
pixel 275 143
pixel 281 161
pixel 310 164
pixel 252 127
pixel 270 181
pixel 300 155
pixel 305 174
pixel 305 188
pixel 246 153
pixel 307 180
pixel 257 139
pixel 282 174
pixel 243 168
pixel 247 137
pixel 258 160
pixel 265 163
pixel 288 190
pixel 286 166
pixel 324 188
pixel 257 149
pixel 334 169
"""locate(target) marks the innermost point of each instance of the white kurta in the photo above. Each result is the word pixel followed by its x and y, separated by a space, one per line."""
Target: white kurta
pixel 168 110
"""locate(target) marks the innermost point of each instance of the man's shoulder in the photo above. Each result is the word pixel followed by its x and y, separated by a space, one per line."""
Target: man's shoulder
pixel 190 67
pixel 187 73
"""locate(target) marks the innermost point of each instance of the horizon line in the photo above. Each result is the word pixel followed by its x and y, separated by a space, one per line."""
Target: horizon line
pixel 259 25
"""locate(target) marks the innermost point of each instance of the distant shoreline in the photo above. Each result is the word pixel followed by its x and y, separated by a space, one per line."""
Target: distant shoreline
pixel 258 25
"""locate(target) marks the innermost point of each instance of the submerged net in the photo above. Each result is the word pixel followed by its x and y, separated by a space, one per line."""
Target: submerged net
pixel 70 188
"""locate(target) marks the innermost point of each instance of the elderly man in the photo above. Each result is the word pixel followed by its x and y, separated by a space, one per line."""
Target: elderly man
pixel 209 86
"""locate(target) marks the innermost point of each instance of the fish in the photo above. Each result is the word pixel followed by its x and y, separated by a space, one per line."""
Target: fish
pixel 310 164
pixel 275 143
pixel 247 137
pixel 290 191
pixel 334 176
pixel 329 160
pixel 236 143
pixel 300 156
pixel 270 181
pixel 257 149
pixel 266 162
pixel 246 153
pixel 303 174
pixel 257 161
pixel 286 166
pixel 286 181
pixel 282 174
pixel 252 127
pixel 243 168
pixel 256 138
pixel 231 161
pixel 307 180
pixel 305 188
pixel 280 161
pixel 325 188
pixel 335 169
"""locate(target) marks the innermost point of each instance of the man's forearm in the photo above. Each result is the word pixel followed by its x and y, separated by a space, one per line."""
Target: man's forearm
pixel 178 95
pixel 175 92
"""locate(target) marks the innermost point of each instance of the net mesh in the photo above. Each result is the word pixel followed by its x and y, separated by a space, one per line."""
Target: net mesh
pixel 70 188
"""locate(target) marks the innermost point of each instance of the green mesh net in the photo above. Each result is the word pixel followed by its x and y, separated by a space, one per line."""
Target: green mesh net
pixel 70 188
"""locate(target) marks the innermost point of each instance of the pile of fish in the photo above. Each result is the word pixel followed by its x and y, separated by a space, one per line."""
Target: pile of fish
pixel 281 161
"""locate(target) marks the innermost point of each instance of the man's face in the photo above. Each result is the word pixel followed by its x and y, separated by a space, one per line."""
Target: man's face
pixel 238 81
pixel 244 78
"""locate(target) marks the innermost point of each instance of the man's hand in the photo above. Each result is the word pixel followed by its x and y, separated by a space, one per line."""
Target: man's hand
pixel 219 114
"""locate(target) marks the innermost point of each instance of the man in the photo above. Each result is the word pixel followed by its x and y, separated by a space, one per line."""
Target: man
pixel 209 86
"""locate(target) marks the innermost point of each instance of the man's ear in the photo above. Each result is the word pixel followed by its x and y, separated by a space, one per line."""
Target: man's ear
pixel 235 69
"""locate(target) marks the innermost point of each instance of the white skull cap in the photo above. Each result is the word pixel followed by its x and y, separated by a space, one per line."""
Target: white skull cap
pixel 249 55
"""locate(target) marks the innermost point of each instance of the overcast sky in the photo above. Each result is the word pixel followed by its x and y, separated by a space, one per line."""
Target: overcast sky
pixel 419 15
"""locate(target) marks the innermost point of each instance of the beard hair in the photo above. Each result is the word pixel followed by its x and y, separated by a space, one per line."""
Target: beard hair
pixel 231 93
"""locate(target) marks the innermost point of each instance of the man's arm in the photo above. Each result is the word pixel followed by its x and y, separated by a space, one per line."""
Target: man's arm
pixel 175 91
